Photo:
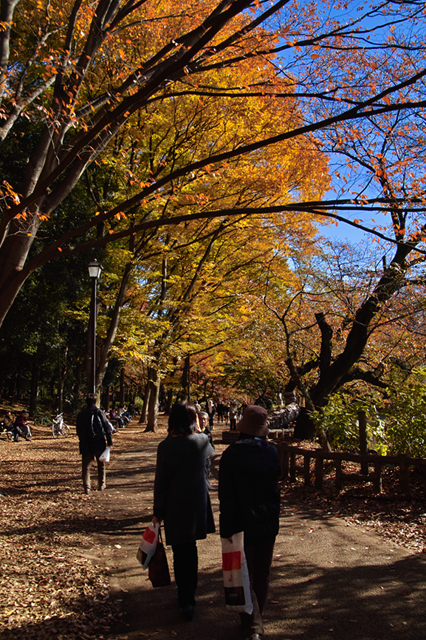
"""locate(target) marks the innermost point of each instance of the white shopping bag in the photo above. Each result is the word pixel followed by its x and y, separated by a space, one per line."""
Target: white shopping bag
pixel 105 455
pixel 235 575
pixel 148 544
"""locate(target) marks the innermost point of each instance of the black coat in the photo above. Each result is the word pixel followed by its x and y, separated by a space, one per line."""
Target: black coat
pixel 84 432
pixel 249 493
pixel 181 498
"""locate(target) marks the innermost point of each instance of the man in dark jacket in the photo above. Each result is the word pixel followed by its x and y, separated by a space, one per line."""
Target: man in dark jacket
pixel 250 502
pixel 94 434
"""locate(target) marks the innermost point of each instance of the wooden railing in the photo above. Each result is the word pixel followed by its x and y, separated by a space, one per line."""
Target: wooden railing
pixel 289 466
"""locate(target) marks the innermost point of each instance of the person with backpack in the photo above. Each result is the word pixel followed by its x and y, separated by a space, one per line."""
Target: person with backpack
pixel 94 434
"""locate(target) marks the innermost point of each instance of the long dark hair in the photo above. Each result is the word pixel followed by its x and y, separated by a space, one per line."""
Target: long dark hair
pixel 182 419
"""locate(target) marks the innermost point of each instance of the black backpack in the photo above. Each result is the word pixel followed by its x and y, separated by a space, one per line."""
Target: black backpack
pixel 97 430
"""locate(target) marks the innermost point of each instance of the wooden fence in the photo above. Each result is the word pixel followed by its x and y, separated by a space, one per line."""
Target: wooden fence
pixel 289 466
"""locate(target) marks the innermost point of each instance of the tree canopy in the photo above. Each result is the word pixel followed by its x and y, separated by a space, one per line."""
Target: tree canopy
pixel 76 74
pixel 193 149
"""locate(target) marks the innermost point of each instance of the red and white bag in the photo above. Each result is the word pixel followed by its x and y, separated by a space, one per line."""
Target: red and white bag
pixel 236 578
pixel 148 544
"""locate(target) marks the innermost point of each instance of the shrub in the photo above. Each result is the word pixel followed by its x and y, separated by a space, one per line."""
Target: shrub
pixel 398 426
pixel 339 419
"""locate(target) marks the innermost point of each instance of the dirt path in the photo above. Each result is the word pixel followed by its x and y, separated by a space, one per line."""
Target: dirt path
pixel 329 579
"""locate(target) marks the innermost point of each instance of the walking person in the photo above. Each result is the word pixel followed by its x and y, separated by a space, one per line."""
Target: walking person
pixel 249 499
pixel 211 412
pixel 203 420
pixel 226 411
pixel 181 498
pixel 219 411
pixel 94 434
pixel 233 412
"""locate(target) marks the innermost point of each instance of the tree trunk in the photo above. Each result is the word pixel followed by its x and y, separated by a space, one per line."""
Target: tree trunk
pixel 13 390
pixel 77 384
pixel 13 254
pixel 332 376
pixel 62 371
pixel 305 428
pixel 35 375
pixel 105 347
pixel 106 403
pixel 144 411
pixel 169 402
pixel 153 401
pixel 185 380
pixel 121 395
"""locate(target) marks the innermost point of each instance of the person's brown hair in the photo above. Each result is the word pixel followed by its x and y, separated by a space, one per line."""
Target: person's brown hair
pixel 182 419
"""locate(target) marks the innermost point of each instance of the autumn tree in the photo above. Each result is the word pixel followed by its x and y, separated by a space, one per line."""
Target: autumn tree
pixel 200 288
pixel 74 74
pixel 184 129
pixel 348 324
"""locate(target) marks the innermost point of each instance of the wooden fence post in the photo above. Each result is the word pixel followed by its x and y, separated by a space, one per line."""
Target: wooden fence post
pixel 319 471
pixel 292 466
pixel 377 479
pixel 284 455
pixel 307 469
pixel 339 479
pixel 404 481
pixel 288 455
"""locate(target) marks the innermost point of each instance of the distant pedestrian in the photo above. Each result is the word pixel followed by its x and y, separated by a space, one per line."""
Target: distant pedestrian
pixel 219 411
pixel 249 498
pixel 203 421
pixel 211 412
pixel 233 412
pixel 226 411
pixel 94 434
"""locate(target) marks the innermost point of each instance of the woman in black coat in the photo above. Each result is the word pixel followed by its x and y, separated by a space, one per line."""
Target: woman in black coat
pixel 181 498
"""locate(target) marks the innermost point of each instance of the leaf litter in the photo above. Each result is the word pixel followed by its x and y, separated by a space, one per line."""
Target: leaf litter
pixel 400 518
pixel 48 588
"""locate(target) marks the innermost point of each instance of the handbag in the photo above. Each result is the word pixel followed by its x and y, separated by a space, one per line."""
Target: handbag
pixel 158 569
pixel 236 577
pixel 148 544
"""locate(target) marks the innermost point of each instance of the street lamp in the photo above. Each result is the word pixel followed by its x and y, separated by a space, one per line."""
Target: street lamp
pixel 94 272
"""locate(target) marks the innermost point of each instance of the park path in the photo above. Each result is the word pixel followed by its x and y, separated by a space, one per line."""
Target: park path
pixel 330 580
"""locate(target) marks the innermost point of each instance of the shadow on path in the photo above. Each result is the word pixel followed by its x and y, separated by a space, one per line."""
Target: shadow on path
pixel 329 579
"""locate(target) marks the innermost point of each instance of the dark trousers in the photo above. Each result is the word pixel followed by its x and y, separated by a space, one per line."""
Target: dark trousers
pixel 185 564
pixel 87 459
pixel 259 560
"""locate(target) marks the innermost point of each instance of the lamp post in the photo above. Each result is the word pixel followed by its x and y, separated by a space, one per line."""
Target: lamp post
pixel 94 272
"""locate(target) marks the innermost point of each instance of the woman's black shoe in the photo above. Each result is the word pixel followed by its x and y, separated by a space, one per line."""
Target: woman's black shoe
pixel 188 612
